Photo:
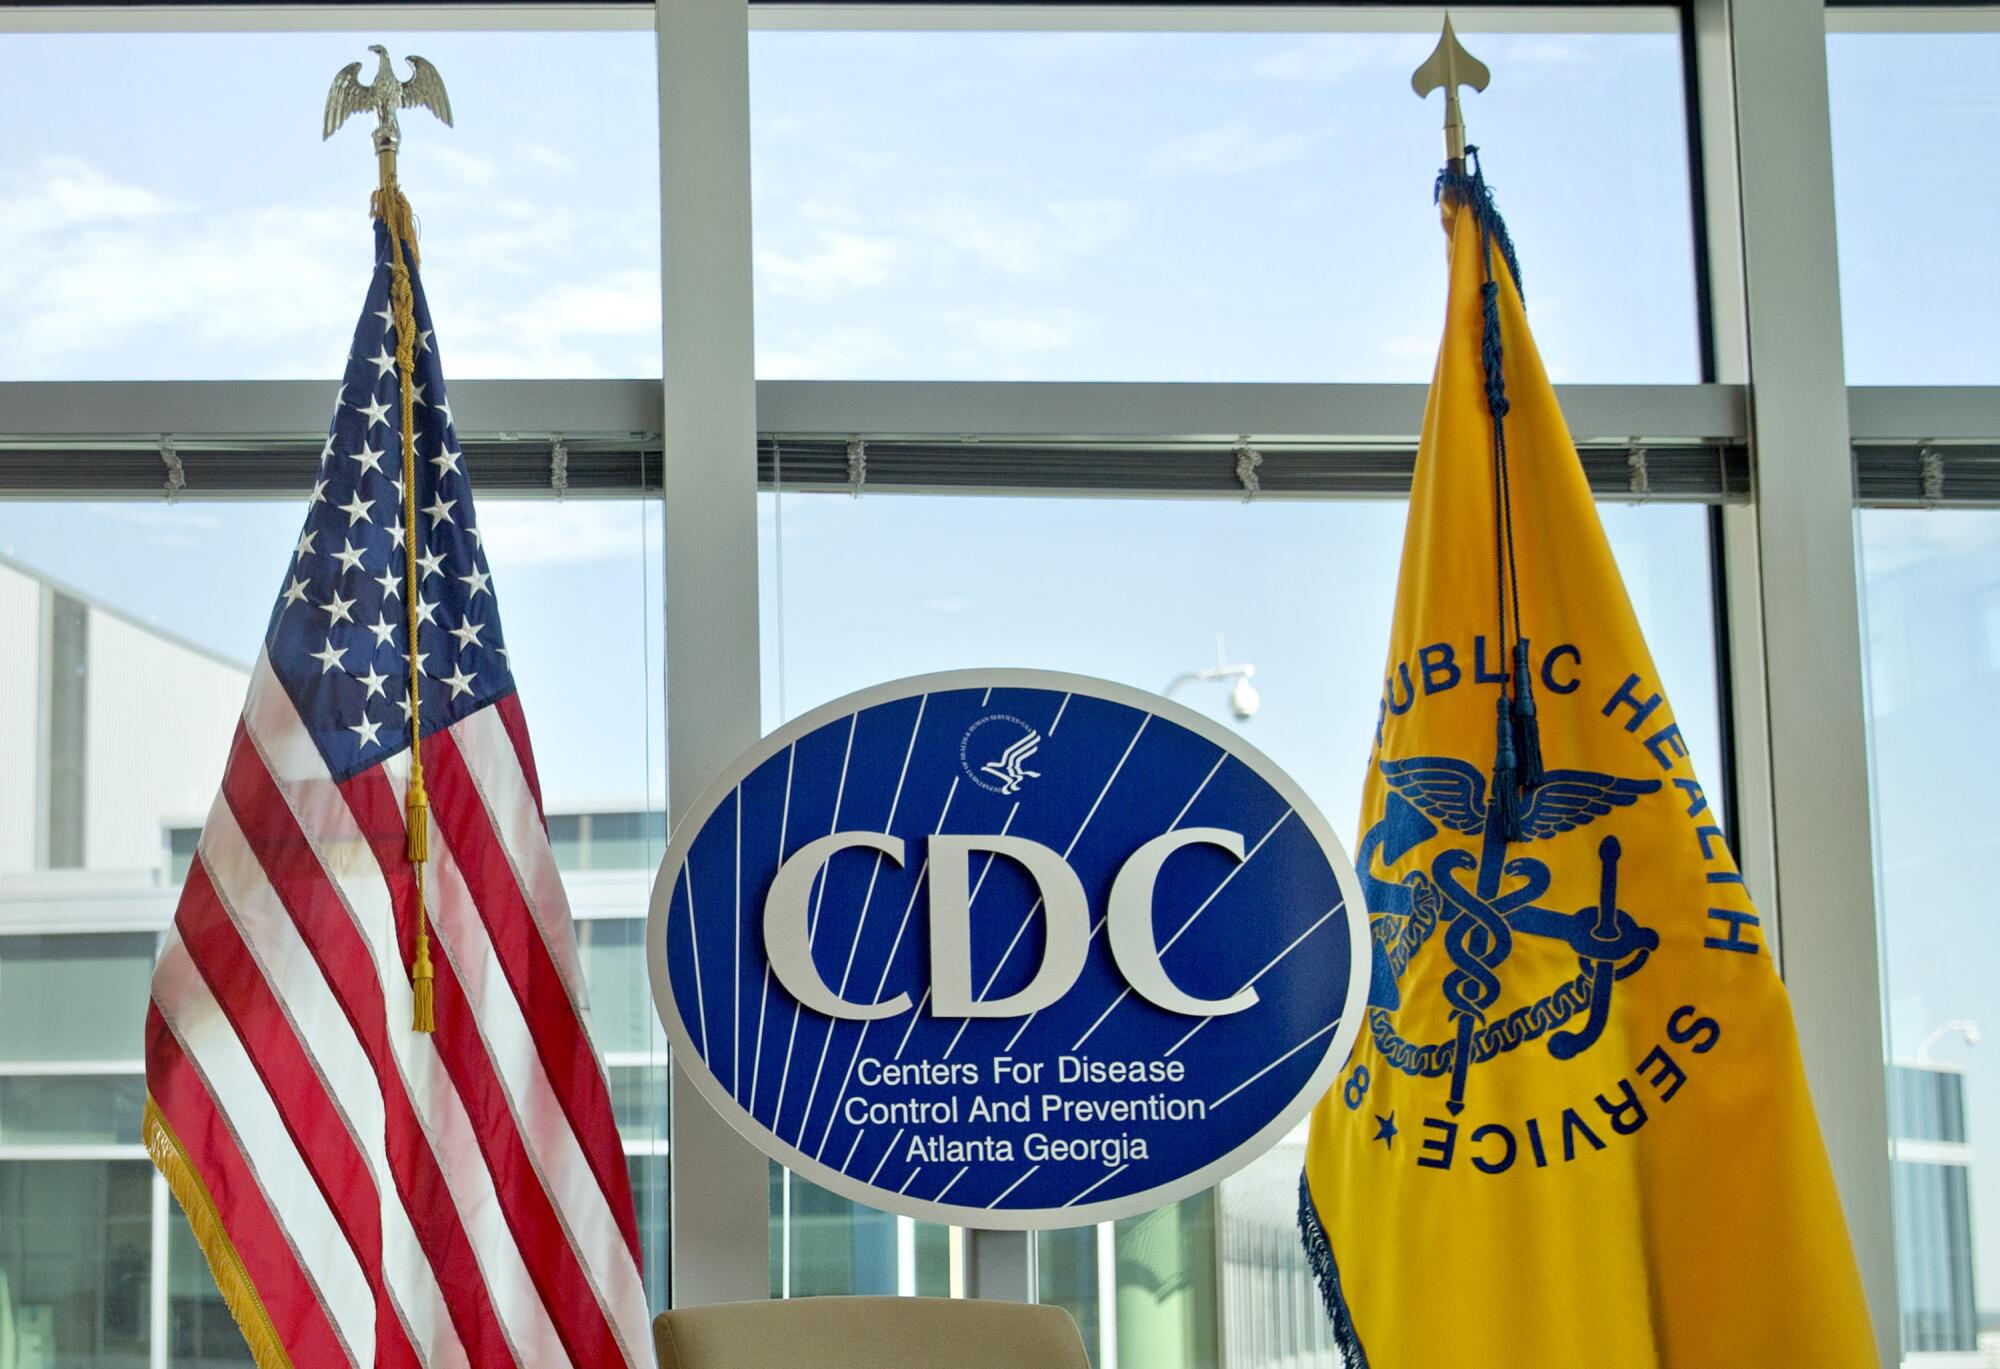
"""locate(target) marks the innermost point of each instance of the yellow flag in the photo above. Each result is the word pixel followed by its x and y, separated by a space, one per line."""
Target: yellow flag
pixel 1576 1130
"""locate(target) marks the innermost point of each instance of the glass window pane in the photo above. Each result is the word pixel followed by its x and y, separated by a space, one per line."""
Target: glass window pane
pixel 825 1245
pixel 1067 1269
pixel 621 995
pixel 201 1332
pixel 1203 206
pixel 566 839
pixel 1931 581
pixel 92 1109
pixel 76 1256
pixel 1167 1291
pixel 74 996
pixel 649 1174
pixel 639 1100
pixel 137 244
pixel 1918 289
pixel 1275 1318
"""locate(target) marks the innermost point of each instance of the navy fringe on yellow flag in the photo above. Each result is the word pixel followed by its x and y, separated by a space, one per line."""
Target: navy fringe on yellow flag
pixel 1576 1131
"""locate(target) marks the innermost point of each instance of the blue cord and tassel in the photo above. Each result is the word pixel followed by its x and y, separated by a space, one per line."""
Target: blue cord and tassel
pixel 1517 745
pixel 1517 758
pixel 1527 728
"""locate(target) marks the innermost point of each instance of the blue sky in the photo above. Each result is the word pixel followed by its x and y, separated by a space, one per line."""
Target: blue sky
pixel 953 205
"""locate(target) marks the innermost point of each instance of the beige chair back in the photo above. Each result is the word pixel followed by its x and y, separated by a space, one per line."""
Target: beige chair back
pixel 869 1333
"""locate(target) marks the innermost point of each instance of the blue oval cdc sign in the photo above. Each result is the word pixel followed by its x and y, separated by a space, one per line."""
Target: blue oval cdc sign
pixel 1009 949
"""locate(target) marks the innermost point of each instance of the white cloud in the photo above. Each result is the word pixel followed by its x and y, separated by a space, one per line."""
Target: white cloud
pixel 546 157
pixel 468 168
pixel 838 263
pixel 89 266
pixel 1023 244
pixel 1231 147
pixel 1328 59
pixel 104 277
pixel 1045 331
pixel 826 354
pixel 69 193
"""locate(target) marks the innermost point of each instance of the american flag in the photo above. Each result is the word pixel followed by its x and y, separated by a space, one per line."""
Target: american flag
pixel 368 1194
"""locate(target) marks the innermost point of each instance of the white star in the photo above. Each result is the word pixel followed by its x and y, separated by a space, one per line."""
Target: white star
pixel 396 535
pixel 384 630
pixel 368 459
pixel 373 682
pixel 366 730
pixel 424 341
pixel 425 608
pixel 397 481
pixel 476 583
pixel 296 594
pixel 319 488
pixel 444 405
pixel 446 461
pixel 330 657
pixel 336 610
pixel 478 537
pixel 404 704
pixel 416 394
pixel 429 563
pixel 503 655
pixel 390 584
pixel 326 452
pixel 440 508
pixel 356 509
pixel 388 316
pixel 349 555
pixel 384 361
pixel 377 411
pixel 460 682
pixel 305 546
pixel 467 633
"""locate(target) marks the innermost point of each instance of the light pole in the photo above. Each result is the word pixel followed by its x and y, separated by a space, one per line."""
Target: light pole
pixel 1962 1026
pixel 1243 699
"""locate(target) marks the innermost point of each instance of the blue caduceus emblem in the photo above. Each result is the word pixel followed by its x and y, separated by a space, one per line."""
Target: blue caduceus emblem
pixel 1482 903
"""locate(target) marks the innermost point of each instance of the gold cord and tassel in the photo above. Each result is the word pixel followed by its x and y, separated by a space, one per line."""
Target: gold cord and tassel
pixel 394 211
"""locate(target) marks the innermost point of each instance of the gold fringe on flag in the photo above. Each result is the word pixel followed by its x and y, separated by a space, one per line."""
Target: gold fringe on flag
pixel 239 1294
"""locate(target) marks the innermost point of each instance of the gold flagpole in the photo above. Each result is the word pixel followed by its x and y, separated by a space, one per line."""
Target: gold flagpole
pixel 385 94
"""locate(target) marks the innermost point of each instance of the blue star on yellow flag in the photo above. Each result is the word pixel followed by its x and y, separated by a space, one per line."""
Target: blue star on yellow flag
pixel 1605 1154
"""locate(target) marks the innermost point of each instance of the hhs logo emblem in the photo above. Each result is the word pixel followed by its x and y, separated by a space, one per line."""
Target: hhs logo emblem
pixel 1008 949
pixel 1004 773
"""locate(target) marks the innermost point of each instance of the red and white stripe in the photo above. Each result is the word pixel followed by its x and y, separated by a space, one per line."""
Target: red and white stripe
pixel 397 1199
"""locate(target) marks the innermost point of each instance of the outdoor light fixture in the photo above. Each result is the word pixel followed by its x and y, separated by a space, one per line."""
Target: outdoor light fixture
pixel 1243 697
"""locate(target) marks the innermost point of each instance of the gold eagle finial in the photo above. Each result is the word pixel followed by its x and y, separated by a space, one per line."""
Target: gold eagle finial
pixel 385 95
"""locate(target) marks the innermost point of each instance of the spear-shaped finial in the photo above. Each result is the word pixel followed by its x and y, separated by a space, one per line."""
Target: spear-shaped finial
pixel 1450 66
